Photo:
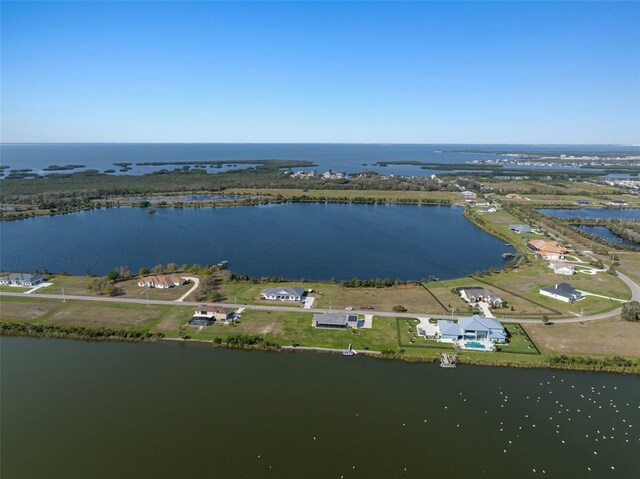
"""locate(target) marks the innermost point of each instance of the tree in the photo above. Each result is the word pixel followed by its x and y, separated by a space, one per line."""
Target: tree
pixel 398 308
pixel 631 311
pixel 184 267
pixel 113 276
pixel 144 271
pixel 158 269
pixel 172 267
pixel 545 320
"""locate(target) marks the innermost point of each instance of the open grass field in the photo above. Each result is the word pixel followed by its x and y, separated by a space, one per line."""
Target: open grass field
pixel 606 337
pixel 629 264
pixel 88 314
pixel 533 186
pixel 376 194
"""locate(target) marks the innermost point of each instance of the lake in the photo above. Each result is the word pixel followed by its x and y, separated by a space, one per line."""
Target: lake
pixel 350 158
pixel 594 213
pixel 73 409
pixel 314 241
pixel 606 234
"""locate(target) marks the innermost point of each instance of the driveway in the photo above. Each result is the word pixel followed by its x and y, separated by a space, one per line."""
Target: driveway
pixel 196 283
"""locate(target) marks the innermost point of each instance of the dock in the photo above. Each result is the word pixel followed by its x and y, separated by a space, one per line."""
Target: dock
pixel 449 360
pixel 349 351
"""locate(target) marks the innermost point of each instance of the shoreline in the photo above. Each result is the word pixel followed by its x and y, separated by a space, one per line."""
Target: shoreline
pixel 629 370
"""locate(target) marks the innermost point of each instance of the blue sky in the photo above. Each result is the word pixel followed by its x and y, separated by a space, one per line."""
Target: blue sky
pixel 477 72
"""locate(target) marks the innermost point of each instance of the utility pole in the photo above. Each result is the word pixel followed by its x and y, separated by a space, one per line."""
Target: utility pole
pixel 63 300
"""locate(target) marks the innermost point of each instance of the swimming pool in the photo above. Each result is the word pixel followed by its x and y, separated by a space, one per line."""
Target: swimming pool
pixel 474 345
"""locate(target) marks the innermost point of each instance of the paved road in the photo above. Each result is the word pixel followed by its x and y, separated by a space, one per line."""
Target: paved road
pixel 635 295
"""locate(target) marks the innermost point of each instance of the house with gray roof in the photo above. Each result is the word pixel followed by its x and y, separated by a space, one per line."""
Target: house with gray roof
pixel 283 293
pixel 22 279
pixel 474 328
pixel 335 320
pixel 521 229
pixel 476 294
pixel 563 291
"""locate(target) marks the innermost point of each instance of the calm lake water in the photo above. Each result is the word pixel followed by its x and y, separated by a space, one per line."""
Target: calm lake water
pixel 75 409
pixel 594 213
pixel 315 241
pixel 349 158
pixel 606 234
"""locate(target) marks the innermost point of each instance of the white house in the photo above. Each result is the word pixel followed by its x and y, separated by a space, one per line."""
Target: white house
pixel 476 294
pixel 564 292
pixel 283 293
pixel 560 267
pixel 22 279
pixel 162 282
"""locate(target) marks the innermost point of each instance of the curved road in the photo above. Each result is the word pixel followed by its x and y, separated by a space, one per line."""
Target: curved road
pixel 635 296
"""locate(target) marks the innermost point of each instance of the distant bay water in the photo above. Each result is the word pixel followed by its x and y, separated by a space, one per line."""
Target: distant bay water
pixel 350 158
pixel 314 241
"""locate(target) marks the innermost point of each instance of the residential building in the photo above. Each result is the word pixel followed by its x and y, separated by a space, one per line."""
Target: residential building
pixel 283 293
pixel 335 320
pixel 618 203
pixel 162 282
pixel 476 294
pixel 560 267
pixel 547 249
pixel 562 291
pixel 206 314
pixel 22 279
pixel 475 328
pixel 583 202
pixel 521 229
pixel 469 194
pixel 513 196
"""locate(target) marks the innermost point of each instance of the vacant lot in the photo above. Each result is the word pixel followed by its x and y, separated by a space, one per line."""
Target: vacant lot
pixel 87 313
pixel 629 264
pixel 612 337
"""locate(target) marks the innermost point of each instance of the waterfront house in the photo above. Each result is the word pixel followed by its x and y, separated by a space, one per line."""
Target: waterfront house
pixel 476 294
pixel 468 194
pixel 521 229
pixel 583 202
pixel 335 320
pixel 562 291
pixel 283 293
pixel 560 267
pixel 474 328
pixel 547 249
pixel 22 279
pixel 162 282
pixel 513 196
pixel 618 203
pixel 206 314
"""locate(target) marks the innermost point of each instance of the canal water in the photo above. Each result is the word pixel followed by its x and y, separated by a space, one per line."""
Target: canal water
pixel 315 241
pixel 74 409
pixel 606 234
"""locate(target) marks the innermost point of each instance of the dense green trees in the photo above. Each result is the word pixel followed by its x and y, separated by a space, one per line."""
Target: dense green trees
pixel 631 311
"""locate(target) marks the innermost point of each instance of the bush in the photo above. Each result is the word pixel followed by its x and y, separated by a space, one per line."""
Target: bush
pixel 631 311
pixel 398 308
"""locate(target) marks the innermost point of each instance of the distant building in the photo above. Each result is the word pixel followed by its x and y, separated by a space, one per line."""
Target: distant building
pixel 469 194
pixel 559 267
pixel 547 249
pixel 162 282
pixel 475 294
pixel 521 229
pixel 583 202
pixel 564 292
pixel 206 314
pixel 513 196
pixel 335 320
pixel 618 203
pixel 22 279
pixel 283 293
pixel 473 328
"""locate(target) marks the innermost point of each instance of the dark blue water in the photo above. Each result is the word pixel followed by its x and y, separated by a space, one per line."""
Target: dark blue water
pixel 606 234
pixel 594 213
pixel 349 158
pixel 315 241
